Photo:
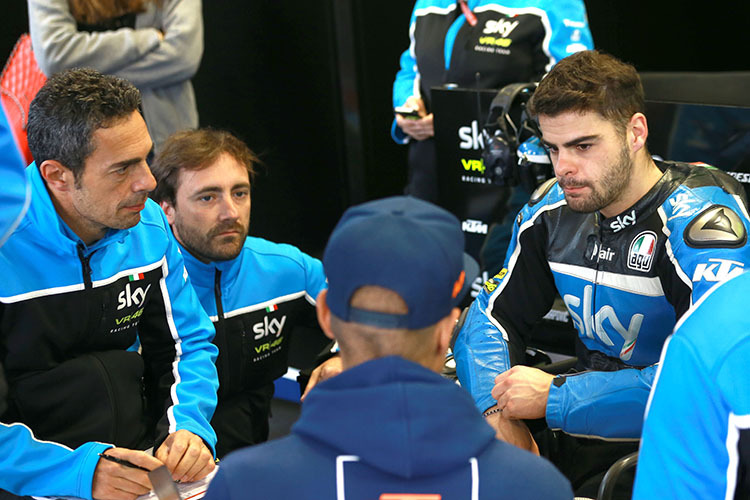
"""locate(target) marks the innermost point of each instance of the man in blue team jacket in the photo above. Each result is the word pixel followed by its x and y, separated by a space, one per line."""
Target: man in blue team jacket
pixel 89 274
pixel 388 426
pixel 255 291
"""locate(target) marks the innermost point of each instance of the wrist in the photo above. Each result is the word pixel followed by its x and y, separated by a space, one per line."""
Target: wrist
pixel 491 411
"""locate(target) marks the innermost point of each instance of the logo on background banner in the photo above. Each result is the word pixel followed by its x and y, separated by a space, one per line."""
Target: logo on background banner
pixel 641 253
pixel 474 226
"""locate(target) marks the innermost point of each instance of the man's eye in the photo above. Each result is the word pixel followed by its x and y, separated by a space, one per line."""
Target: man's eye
pixel 206 198
pixel 583 147
pixel 240 194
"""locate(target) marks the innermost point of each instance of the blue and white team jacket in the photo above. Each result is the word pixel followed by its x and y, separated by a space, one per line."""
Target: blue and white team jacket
pixel 625 281
pixel 696 439
pixel 512 41
pixel 68 315
pixel 254 301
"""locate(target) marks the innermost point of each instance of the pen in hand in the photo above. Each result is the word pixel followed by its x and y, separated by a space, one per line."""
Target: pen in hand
pixel 123 462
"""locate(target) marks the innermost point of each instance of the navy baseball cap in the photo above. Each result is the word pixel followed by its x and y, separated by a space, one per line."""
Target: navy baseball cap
pixel 403 244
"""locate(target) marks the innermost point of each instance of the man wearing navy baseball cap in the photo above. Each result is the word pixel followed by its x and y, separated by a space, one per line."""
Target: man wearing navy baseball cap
pixel 388 426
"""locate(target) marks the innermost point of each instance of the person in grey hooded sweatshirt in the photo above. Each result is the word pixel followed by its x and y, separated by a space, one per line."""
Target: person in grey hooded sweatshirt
pixel 389 426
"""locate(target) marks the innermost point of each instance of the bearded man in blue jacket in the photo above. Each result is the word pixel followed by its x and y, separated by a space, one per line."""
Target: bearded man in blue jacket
pixel 389 426
pixel 103 342
pixel 255 291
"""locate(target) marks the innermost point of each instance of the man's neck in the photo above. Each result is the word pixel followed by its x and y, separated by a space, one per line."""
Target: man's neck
pixel 67 212
pixel 644 175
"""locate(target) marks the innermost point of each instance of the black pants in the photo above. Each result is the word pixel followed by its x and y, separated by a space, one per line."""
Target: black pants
pixel 242 419
pixel 422 178
pixel 585 461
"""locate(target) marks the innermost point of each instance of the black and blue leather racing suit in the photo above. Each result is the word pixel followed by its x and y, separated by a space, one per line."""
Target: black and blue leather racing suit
pixel 625 280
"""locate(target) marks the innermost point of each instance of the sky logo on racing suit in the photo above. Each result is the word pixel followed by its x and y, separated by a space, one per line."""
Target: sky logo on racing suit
pixel 641 253
pixel 621 222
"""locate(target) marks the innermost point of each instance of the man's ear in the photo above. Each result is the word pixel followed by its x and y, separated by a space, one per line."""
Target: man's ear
pixel 324 314
pixel 445 330
pixel 168 210
pixel 57 176
pixel 638 132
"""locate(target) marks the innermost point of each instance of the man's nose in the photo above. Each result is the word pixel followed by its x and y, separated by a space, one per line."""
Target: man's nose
pixel 564 164
pixel 145 180
pixel 228 209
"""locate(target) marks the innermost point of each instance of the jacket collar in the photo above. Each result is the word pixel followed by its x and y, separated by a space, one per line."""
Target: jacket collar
pixel 44 218
pixel 204 274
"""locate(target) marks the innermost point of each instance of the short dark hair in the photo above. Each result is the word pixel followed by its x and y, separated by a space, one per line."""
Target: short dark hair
pixel 195 150
pixel 70 107
pixel 590 81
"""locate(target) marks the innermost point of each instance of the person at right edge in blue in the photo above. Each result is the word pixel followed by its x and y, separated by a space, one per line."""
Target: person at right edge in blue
pixel 627 241
pixel 453 41
pixel 696 439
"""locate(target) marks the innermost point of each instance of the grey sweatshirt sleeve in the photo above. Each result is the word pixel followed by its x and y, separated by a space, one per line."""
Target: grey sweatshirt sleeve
pixel 58 44
pixel 178 56
pixel 135 54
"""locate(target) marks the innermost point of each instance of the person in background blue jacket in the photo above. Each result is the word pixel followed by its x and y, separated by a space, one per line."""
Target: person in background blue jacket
pixel 89 273
pixel 627 242
pixel 255 291
pixel 696 438
pixel 484 44
pixel 389 426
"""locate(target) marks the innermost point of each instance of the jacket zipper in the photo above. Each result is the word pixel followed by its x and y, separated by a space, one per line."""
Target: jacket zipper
pixel 85 266
pixel 220 337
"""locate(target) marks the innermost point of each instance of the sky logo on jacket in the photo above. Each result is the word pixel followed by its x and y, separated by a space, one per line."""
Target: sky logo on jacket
pixel 272 326
pixel 129 297
pixel 641 254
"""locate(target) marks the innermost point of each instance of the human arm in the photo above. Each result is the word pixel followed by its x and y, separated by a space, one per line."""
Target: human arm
pixel 180 373
pixel 115 481
pixel 16 193
pixel 167 52
pixel 327 369
pixel 178 56
pixel 58 44
pixel 186 456
pixel 406 90
pixel 570 31
pixel 700 392
pixel 493 337
pixel 43 468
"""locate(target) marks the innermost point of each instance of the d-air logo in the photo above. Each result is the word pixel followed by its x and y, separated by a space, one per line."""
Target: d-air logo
pixel 129 297
pixel 621 222
pixel 641 253
pixel 474 226
pixel 269 327
pixel 597 252
pixel 471 137
pixel 718 270
pixel 590 325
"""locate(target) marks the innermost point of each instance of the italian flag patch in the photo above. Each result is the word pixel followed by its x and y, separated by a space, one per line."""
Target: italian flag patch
pixel 135 277
pixel 272 308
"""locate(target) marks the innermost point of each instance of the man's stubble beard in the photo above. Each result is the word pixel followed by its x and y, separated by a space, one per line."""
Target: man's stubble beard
pixel 611 186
